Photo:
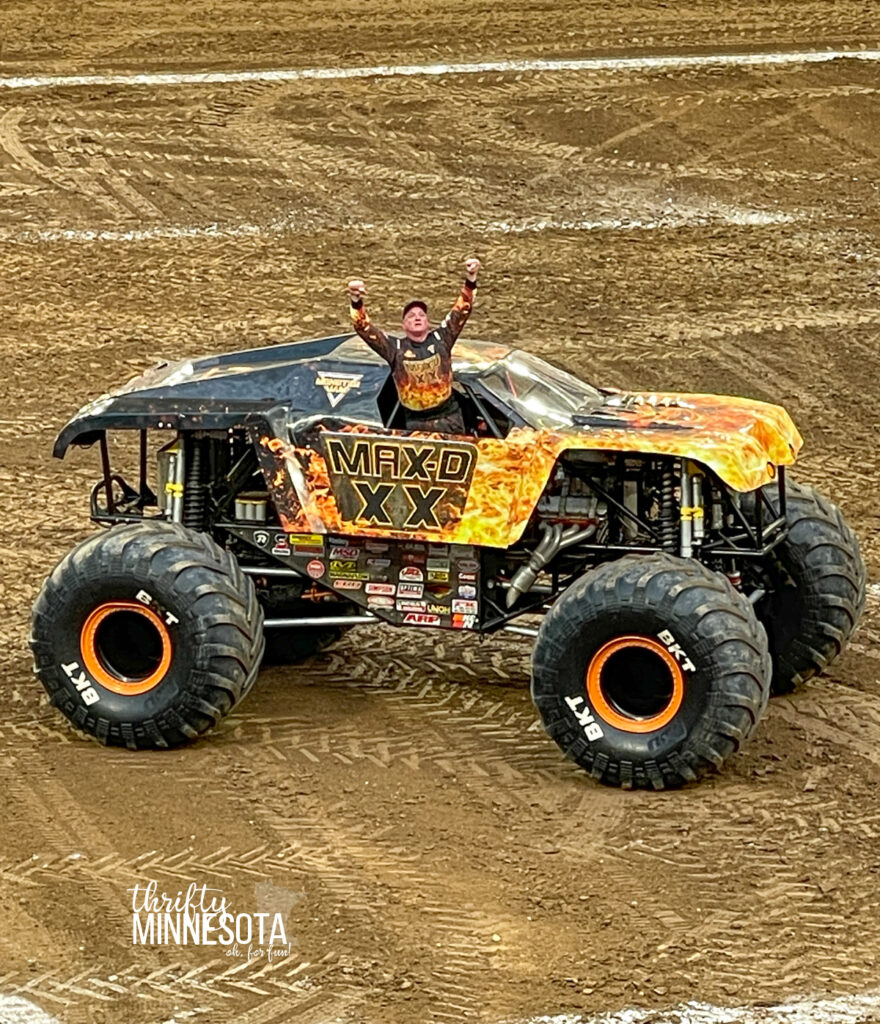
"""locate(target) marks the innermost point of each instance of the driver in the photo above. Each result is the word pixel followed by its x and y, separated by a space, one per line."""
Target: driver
pixel 421 361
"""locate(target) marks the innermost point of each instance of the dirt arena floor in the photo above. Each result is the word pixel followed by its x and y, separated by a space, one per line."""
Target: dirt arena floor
pixel 438 860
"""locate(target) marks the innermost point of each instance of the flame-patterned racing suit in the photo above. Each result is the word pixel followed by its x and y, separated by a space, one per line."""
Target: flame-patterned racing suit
pixel 422 371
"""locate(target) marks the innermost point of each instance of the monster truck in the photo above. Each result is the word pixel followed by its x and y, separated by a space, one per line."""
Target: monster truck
pixel 649 543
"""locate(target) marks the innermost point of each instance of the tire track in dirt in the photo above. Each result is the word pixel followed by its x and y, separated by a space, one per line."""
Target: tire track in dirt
pixel 278 987
pixel 470 733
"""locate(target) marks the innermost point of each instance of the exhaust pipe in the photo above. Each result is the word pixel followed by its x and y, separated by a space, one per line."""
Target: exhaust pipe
pixel 553 541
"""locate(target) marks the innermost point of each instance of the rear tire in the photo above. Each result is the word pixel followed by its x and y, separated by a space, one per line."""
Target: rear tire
pixel 817 580
pixel 146 635
pixel 295 644
pixel 650 671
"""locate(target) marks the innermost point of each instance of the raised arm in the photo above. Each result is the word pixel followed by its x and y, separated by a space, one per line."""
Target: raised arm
pixel 360 319
pixel 457 317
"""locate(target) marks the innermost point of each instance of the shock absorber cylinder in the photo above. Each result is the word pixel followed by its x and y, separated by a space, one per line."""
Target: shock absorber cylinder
pixel 195 491
pixel 687 514
pixel 698 507
pixel 176 474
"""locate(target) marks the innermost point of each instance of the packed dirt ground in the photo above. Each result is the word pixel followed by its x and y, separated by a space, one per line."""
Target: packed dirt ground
pixel 439 860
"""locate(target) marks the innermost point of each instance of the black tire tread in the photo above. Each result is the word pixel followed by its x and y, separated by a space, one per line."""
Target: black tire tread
pixel 824 551
pixel 208 578
pixel 718 617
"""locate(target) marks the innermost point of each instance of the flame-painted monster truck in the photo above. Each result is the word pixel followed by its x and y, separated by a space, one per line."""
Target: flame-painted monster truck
pixel 674 568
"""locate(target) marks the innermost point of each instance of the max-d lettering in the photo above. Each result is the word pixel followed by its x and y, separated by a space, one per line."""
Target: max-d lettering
pixel 400 461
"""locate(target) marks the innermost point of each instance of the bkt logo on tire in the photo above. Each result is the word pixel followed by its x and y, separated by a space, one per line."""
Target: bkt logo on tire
pixel 82 683
pixel 591 727
pixel 677 651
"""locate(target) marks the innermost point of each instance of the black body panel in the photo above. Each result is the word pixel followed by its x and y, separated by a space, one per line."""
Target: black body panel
pixel 218 392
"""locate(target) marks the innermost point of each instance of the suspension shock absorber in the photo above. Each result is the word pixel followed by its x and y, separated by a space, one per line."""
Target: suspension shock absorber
pixel 195 491
pixel 668 517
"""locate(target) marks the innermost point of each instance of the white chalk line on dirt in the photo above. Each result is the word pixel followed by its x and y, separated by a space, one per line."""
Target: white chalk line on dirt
pixel 647 62
pixel 731 216
pixel 857 1009
pixel 15 1010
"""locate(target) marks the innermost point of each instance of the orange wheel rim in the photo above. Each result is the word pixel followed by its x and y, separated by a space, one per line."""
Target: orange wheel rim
pixel 102 670
pixel 616 716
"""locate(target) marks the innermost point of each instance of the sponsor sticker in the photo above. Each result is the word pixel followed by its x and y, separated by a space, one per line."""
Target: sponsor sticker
pixel 439 549
pixel 316 569
pixel 412 574
pixel 261 538
pixel 412 558
pixel 465 607
pixel 467 592
pixel 437 563
pixel 349 585
pixel 306 541
pixel 421 619
pixel 280 545
pixel 343 564
pixel 381 588
pixel 438 609
pixel 413 546
pixel 467 577
pixel 349 575
pixel 438 575
pixel 375 547
pixel 410 589
pixel 468 565
pixel 378 601
pixel 378 563
pixel 464 621
pixel 411 606
pixel 345 553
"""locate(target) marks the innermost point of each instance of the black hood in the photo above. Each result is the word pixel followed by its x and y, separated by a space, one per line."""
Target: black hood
pixel 222 391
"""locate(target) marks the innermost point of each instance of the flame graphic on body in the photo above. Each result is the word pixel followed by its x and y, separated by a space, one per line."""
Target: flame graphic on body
pixel 742 441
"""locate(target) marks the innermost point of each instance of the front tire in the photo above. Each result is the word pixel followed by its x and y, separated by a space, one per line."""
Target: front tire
pixel 816 581
pixel 650 670
pixel 147 635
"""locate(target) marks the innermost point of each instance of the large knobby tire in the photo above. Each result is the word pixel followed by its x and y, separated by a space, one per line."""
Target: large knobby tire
pixel 147 635
pixel 816 581
pixel 650 670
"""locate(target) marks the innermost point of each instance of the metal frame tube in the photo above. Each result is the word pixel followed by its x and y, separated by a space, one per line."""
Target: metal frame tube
pixel 327 620
pixel 108 477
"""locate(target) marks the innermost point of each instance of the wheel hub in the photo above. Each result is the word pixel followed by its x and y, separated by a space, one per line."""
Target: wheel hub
pixel 635 684
pixel 126 647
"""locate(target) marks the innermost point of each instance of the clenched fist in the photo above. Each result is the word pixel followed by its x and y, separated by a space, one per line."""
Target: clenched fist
pixel 472 268
pixel 356 290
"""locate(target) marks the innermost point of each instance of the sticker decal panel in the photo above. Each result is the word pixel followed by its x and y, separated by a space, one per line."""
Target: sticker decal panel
pixel 405 593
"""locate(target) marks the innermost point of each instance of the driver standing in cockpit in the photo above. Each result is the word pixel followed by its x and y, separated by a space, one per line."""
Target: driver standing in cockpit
pixel 421 361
